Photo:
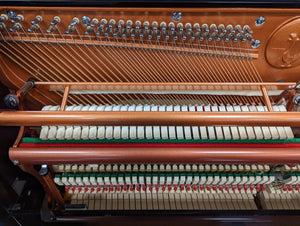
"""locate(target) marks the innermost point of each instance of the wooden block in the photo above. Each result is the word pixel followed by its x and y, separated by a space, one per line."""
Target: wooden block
pixel 177 201
pixel 160 201
pixel 103 201
pixel 97 201
pixel 207 202
pixel 149 201
pixel 211 200
pixel 194 199
pixel 86 199
pixel 189 201
pixel 154 201
pixel 137 197
pixel 131 201
pixel 166 201
pixel 200 201
pixel 172 201
pixel 109 201
pixel 114 201
pixel 183 201
pixel 91 205
pixel 74 199
pixel 126 201
pixel 120 201
pixel 143 201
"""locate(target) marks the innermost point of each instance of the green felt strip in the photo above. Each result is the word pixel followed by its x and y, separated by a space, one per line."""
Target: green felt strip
pixel 37 140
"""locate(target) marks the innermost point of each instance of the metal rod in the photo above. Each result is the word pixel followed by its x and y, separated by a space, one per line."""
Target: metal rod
pixel 65 98
pixel 267 98
pixel 163 86
pixel 157 155
pixel 110 118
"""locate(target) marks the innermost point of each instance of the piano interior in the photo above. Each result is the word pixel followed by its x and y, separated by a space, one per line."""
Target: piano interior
pixel 155 111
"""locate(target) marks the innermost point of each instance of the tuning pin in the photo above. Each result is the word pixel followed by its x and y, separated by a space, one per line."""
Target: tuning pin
pixel 205 28
pixel 216 37
pixel 174 35
pixel 166 35
pixel 248 37
pixel 74 22
pixel 37 20
pixel 199 36
pixel 88 30
pixel 190 35
pixel 103 23
pixel 120 24
pixel 180 26
pixel 183 35
pixel 146 25
pixel 224 36
pixel 111 23
pixel 197 27
pixel 248 29
pixel 107 32
pixel 213 28
pixel 138 24
pixel 232 37
pixel 238 29
pixel 230 29
pixel 100 31
pixel 124 33
pixel 94 22
pixel 71 27
pixel 150 34
pixel 85 20
pixel 55 21
pixel 51 29
pixel 132 33
pixel 128 24
pixel 141 33
pixel 241 37
pixel 163 26
pixel 207 36
pixel 16 27
pixel 188 27
pixel 33 27
pixel 222 28
pixel 171 26
pixel 158 34
pixel 19 18
pixel 154 26
pixel 3 18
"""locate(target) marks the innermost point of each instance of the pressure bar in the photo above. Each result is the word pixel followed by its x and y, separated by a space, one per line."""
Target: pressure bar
pixel 155 155
pixel 96 118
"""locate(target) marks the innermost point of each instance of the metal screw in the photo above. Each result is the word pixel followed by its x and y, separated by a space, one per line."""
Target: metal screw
pixel 85 20
pixel 260 21
pixel 255 44
pixel 177 16
pixel 15 162
pixel 11 14
pixel 43 171
pixel 297 100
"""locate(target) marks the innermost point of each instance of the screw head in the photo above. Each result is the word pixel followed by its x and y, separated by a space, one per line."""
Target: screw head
pixel 11 14
pixel 297 100
pixel 11 101
pixel 85 20
pixel 260 21
pixel 177 16
pixel 255 44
